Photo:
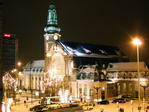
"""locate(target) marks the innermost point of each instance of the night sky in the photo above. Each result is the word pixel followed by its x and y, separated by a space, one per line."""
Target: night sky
pixel 105 22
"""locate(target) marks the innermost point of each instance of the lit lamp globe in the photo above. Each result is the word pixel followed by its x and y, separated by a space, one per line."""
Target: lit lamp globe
pixel 137 41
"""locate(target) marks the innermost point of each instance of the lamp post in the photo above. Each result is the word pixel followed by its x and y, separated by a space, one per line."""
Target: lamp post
pixel 97 88
pixel 131 102
pixel 144 86
pixel 137 42
pixel 19 73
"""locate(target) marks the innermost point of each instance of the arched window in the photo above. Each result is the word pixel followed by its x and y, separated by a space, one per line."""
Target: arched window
pixel 124 88
pixel 130 88
pixel 118 88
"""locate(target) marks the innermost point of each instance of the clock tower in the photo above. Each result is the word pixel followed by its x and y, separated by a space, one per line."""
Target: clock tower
pixel 52 35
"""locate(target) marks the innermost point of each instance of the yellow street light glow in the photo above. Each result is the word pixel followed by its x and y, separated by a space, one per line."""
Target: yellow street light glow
pixel 15 70
pixel 137 41
pixel 19 63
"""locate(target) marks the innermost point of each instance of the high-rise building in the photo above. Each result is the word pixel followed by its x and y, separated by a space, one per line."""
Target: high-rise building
pixel 9 49
pixel 1 27
pixel 1 17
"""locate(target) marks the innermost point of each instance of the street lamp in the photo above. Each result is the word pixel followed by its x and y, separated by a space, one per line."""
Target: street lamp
pixel 97 88
pixel 137 42
pixel 144 86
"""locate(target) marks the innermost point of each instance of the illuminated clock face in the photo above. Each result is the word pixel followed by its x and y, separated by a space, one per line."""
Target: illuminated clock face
pixel 55 37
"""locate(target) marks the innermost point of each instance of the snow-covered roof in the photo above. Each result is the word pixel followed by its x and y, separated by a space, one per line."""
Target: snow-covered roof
pixel 92 50
pixel 35 63
pixel 127 66
pixel 34 67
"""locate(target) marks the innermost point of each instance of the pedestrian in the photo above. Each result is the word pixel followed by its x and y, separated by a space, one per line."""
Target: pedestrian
pixel 27 98
pixel 24 102
pixel 81 99
pixel 121 110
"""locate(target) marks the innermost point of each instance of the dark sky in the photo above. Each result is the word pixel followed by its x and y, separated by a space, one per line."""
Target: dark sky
pixel 106 22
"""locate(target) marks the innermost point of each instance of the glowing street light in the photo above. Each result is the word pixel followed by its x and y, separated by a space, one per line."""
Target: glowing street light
pixel 137 42
pixel 19 64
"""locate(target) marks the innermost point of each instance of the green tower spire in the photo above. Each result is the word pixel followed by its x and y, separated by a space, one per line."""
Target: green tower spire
pixel 52 21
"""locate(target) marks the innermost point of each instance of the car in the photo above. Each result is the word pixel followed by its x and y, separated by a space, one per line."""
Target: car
pixel 88 106
pixel 42 109
pixel 37 107
pixel 104 102
pixel 127 97
pixel 76 104
pixel 54 106
pixel 119 100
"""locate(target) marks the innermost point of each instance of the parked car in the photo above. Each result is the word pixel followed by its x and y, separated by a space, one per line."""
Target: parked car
pixel 37 107
pixel 127 97
pixel 54 106
pixel 76 103
pixel 42 109
pixel 104 102
pixel 88 106
pixel 119 100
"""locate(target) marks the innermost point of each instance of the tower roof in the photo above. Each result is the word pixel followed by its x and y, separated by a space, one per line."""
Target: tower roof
pixel 52 21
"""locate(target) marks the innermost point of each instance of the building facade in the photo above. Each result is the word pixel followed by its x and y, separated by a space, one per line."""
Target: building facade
pixel 33 75
pixel 81 71
pixel 67 63
pixel 124 79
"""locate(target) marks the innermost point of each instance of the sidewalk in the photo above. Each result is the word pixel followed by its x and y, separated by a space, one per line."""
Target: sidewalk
pixel 20 106
pixel 113 107
pixel 23 107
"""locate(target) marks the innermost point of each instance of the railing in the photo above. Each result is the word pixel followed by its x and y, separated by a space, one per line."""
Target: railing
pixel 126 75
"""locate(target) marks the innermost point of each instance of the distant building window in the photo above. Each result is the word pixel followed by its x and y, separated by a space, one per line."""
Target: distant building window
pixel 103 51
pixel 85 91
pixel 91 92
pixel 124 87
pixel 70 90
pixel 111 66
pixel 102 76
pixel 80 90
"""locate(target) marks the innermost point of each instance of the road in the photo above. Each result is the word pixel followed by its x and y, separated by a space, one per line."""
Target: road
pixel 112 107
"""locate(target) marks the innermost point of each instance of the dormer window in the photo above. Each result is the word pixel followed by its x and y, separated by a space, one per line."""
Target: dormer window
pixel 111 66
pixel 103 51
pixel 86 50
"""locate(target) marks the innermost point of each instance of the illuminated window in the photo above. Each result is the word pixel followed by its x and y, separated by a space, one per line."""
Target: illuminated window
pixel 124 87
pixel 55 48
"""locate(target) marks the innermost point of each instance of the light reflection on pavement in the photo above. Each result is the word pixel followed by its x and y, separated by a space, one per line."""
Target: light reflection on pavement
pixel 112 107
